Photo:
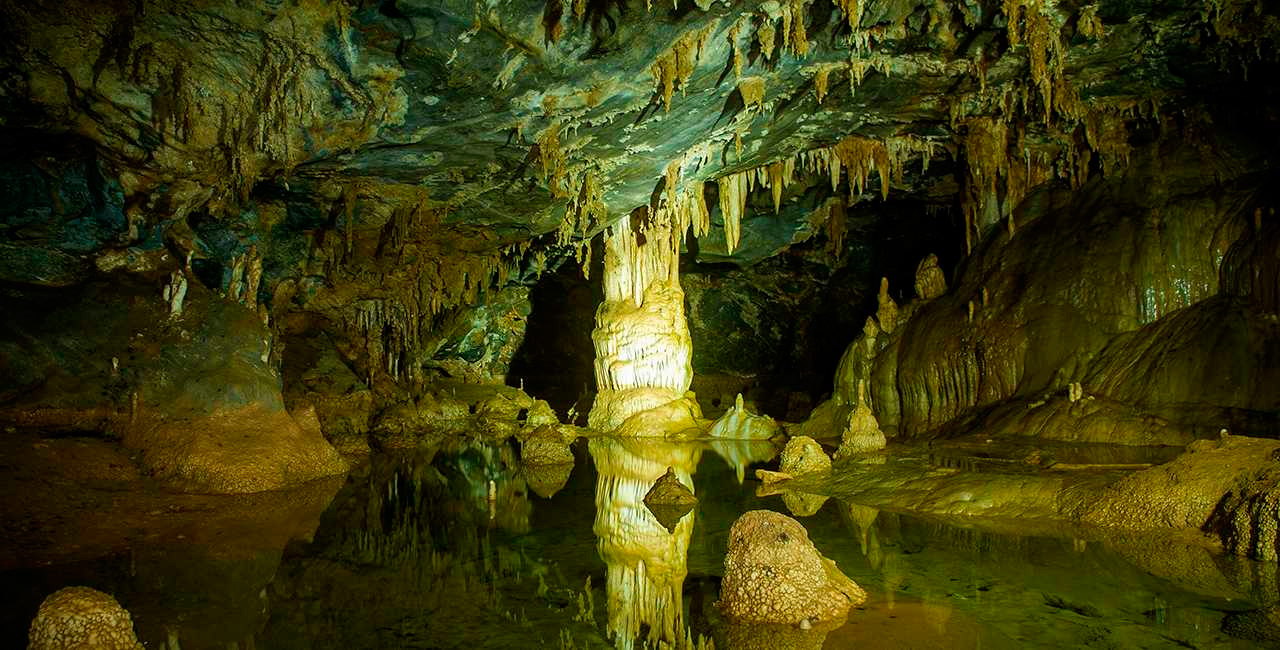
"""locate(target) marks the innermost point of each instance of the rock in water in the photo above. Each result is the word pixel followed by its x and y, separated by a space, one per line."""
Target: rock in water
pixel 773 574
pixel 669 500
pixel 80 617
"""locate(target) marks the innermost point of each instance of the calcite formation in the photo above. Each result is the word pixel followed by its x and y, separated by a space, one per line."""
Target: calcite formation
pixel 641 337
pixel 930 281
pixel 804 456
pixel 861 432
pixel 773 574
pixel 81 617
pixel 738 423
pixel 670 500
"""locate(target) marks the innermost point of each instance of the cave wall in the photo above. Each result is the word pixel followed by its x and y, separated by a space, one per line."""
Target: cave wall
pixel 1120 286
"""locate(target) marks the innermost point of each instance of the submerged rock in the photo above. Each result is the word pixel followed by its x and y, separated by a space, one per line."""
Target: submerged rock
pixel 773 574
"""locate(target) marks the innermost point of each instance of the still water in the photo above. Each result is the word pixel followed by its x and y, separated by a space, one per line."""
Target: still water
pixel 460 547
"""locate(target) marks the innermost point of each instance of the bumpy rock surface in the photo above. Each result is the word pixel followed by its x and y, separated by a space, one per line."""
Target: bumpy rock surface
pixel 80 617
pixel 804 456
pixel 773 574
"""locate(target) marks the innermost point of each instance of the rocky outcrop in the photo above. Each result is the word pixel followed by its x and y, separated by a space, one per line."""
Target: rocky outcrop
pixel 193 392
pixel 1104 288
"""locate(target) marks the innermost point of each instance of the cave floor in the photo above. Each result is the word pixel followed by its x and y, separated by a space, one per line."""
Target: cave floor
pixel 454 547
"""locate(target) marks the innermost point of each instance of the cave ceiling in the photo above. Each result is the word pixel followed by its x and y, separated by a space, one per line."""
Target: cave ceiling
pixel 514 130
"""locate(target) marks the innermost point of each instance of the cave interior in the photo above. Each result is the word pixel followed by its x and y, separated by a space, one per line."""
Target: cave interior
pixel 301 282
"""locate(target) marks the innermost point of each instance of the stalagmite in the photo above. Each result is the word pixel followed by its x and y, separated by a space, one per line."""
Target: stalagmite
pixel 641 338
pixel 740 424
pixel 930 281
pixel 887 314
pixel 862 431
pixel 175 292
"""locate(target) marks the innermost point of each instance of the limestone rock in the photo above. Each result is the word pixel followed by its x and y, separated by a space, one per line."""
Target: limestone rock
pixel 545 447
pixel 773 574
pixel 803 456
pixel 739 423
pixel 73 618
pixel 930 281
pixel 887 313
pixel 669 500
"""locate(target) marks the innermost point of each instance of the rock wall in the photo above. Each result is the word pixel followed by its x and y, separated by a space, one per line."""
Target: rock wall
pixel 1115 287
pixel 192 391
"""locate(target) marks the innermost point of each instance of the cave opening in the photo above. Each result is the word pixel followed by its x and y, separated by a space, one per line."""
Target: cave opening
pixel 555 360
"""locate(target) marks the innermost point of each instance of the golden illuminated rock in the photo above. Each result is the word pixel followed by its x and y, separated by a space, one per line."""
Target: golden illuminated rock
pixel 930 281
pixel 740 424
pixel 773 574
pixel 804 456
pixel 81 618
pixel 670 500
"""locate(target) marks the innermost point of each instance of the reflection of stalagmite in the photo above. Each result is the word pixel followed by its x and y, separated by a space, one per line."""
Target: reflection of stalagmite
pixel 738 454
pixel 802 458
pixel 646 563
pixel 641 338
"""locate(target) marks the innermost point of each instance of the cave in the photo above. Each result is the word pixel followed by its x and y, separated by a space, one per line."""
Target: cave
pixel 620 324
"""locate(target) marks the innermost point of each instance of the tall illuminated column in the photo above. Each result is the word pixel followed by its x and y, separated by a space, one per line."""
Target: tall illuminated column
pixel 641 337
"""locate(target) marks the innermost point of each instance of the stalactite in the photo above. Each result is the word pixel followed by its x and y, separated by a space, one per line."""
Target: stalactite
pixel 765 35
pixel 794 37
pixel 552 160
pixel 821 76
pixel 674 67
pixel 1089 24
pixel 852 10
pixel 733 203
pixel 737 49
pixel 752 91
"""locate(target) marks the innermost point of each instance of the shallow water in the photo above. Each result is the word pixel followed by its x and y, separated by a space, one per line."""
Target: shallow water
pixel 460 548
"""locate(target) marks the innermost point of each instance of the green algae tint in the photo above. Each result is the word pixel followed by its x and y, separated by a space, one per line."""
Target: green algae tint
pixel 462 548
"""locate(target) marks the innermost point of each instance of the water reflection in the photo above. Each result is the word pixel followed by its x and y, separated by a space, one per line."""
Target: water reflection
pixel 646 564
pixel 452 546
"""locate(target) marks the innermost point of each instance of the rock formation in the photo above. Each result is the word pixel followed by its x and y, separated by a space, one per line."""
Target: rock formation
pixel 80 617
pixel 773 574
pixel 740 424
